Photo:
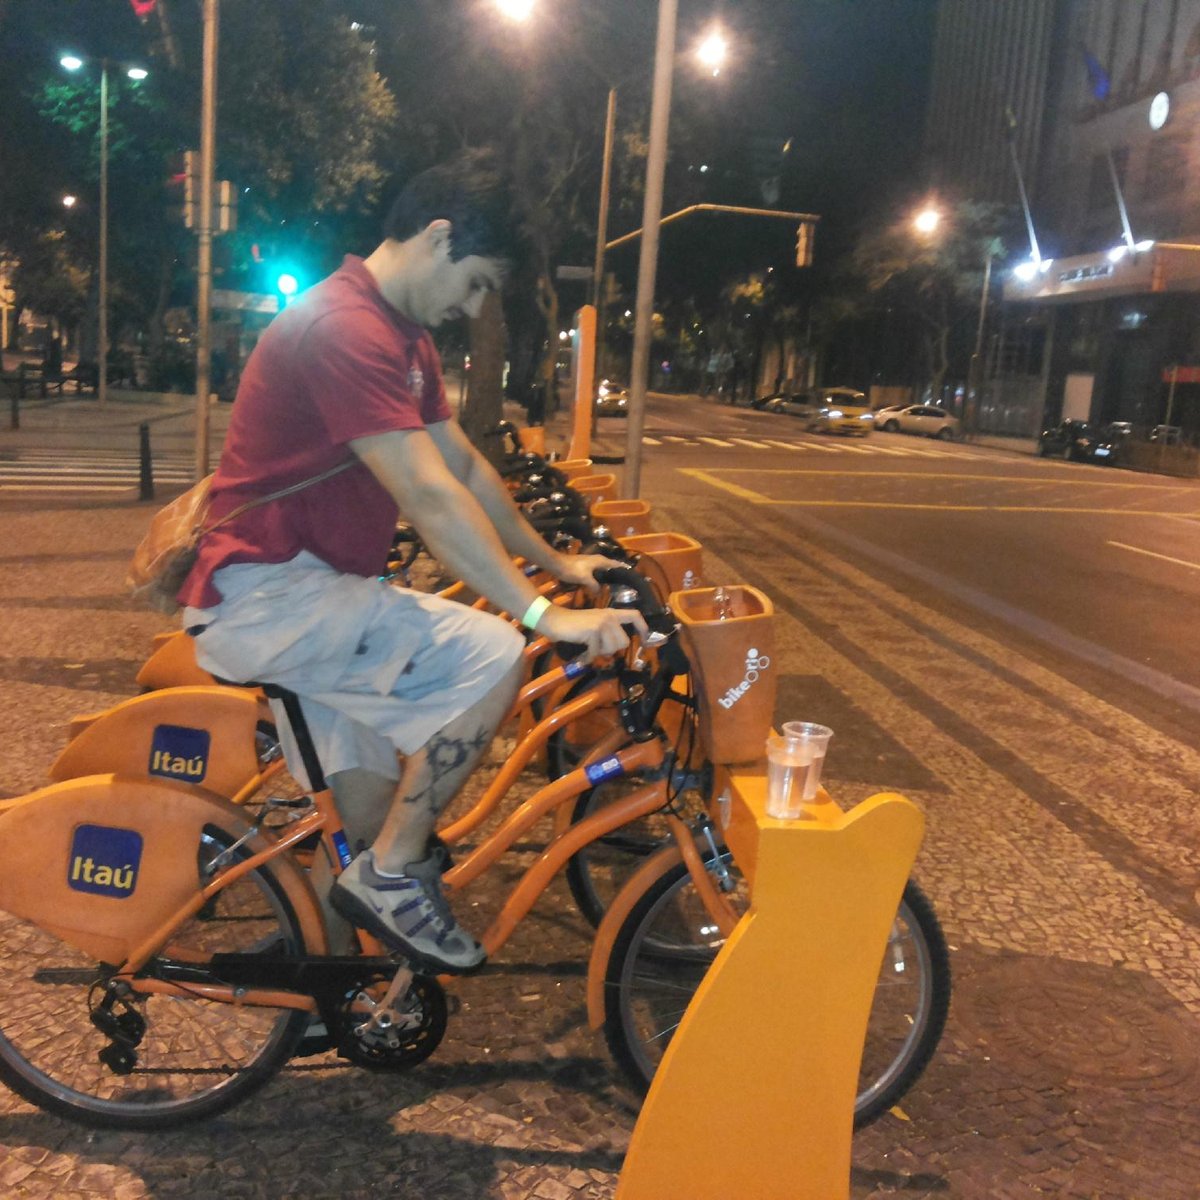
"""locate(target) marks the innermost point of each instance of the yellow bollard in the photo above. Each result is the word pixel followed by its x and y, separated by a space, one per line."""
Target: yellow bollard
pixel 755 1094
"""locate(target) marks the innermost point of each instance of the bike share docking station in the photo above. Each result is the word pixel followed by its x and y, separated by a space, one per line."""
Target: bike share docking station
pixel 755 1094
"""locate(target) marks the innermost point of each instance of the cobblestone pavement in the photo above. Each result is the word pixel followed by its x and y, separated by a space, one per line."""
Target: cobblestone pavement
pixel 1061 853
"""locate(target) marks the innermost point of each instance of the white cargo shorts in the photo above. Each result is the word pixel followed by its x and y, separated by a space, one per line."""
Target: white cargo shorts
pixel 379 669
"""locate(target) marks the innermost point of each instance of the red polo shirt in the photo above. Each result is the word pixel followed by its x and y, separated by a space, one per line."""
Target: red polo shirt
pixel 339 363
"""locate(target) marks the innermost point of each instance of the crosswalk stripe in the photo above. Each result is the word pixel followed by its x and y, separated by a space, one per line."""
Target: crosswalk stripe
pixel 820 446
pixel 787 445
pixel 63 487
pixel 712 441
pixel 649 441
pixel 747 442
pixel 670 437
pixel 90 472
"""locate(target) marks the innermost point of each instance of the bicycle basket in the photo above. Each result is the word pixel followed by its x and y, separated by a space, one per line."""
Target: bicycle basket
pixel 596 487
pixel 671 561
pixel 624 517
pixel 729 634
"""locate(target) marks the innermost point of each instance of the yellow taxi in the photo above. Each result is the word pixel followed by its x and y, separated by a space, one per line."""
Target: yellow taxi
pixel 842 410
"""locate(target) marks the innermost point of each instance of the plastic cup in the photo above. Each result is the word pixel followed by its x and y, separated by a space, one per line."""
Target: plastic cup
pixel 794 761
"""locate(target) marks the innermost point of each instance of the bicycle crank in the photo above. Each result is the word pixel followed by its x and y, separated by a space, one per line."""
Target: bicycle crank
pixel 399 1029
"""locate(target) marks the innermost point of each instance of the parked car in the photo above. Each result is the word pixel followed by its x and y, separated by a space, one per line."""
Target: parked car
pixel 1072 440
pixel 612 399
pixel 1111 444
pixel 1167 435
pixel 800 405
pixel 883 415
pixel 842 410
pixel 924 419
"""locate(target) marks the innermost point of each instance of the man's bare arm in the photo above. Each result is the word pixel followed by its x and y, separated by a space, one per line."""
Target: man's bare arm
pixel 482 481
pixel 460 534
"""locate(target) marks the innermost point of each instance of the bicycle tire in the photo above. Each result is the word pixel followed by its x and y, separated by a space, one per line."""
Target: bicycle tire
pixel 667 942
pixel 49 1046
pixel 597 872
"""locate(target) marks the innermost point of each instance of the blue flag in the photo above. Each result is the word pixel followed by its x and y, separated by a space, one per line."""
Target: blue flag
pixel 1098 79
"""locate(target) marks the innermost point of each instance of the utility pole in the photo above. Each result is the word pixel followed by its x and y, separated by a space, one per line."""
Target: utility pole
pixel 208 140
pixel 102 331
pixel 610 122
pixel 660 112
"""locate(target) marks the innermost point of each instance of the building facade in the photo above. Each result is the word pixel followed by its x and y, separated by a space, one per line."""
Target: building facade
pixel 1103 103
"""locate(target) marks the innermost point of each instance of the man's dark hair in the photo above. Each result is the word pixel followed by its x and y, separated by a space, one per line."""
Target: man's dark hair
pixel 471 192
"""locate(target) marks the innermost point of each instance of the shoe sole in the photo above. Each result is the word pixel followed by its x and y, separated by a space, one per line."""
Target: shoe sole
pixel 358 913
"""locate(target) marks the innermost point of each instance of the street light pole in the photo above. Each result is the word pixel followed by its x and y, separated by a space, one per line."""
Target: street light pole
pixel 208 139
pixel 974 380
pixel 610 122
pixel 102 297
pixel 660 112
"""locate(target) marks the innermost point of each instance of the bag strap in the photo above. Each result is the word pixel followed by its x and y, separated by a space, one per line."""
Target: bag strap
pixel 287 491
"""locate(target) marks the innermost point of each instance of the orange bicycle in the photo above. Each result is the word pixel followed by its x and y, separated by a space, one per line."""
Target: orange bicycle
pixel 165 956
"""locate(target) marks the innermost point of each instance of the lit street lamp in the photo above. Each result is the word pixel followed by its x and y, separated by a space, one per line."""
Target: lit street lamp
pixel 72 62
pixel 927 221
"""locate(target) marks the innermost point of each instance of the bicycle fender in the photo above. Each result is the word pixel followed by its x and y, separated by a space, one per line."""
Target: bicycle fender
pixel 193 735
pixel 173 664
pixel 635 887
pixel 107 862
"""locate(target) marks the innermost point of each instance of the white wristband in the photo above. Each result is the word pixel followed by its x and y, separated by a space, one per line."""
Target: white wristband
pixel 533 614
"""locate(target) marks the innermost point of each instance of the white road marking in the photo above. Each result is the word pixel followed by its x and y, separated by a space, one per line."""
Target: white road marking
pixel 747 442
pixel 712 441
pixel 1181 562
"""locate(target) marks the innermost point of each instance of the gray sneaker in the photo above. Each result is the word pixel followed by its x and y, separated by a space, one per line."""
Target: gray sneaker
pixel 407 912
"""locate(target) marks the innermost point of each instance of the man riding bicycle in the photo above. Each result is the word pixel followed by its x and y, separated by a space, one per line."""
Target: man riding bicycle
pixel 343 395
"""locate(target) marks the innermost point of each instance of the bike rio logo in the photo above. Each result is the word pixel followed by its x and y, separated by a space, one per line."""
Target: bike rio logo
pixel 104 860
pixel 755 663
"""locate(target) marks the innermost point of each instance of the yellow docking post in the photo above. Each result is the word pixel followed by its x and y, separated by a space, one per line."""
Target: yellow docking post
pixel 755 1095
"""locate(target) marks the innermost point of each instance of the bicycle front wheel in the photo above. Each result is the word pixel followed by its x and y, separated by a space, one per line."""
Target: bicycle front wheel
pixel 193 1057
pixel 668 942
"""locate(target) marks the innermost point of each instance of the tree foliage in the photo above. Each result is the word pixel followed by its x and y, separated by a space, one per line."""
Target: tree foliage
pixel 937 278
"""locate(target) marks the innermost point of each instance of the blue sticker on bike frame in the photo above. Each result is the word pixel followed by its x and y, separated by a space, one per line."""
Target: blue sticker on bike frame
pixel 609 768
pixel 343 848
pixel 104 860
pixel 573 670
pixel 177 752
pixel 529 570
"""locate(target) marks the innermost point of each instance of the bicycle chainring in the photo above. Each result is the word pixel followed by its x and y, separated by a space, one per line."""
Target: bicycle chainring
pixel 397 1045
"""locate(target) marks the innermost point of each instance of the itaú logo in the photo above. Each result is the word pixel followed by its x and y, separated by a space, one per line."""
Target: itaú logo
pixel 104 860
pixel 755 663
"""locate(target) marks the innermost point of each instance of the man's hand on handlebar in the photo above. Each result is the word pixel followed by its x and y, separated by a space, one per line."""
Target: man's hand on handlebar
pixel 579 569
pixel 597 632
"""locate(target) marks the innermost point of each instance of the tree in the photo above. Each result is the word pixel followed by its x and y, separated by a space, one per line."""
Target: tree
pixel 937 278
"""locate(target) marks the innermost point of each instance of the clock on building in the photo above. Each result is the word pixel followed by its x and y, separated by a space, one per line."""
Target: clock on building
pixel 1160 110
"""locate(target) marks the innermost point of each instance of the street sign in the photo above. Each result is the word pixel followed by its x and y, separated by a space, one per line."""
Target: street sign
pixel 230 301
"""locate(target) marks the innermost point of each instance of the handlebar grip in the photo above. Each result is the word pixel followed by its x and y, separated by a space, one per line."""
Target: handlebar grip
pixel 569 650
pixel 617 576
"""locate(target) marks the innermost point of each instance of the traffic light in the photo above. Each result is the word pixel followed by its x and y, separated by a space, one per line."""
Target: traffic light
pixel 183 188
pixel 804 241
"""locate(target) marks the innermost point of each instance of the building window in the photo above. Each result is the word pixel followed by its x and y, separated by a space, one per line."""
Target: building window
pixel 1166 168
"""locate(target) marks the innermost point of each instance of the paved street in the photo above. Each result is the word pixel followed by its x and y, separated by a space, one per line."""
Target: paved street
pixel 958 615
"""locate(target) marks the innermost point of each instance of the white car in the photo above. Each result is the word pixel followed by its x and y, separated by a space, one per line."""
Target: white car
pixel 920 418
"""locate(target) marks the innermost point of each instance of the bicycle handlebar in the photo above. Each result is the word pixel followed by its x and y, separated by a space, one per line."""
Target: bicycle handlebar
pixel 629 589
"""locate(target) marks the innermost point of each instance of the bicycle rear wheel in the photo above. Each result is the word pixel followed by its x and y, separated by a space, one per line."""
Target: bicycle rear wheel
pixel 194 1057
pixel 668 941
